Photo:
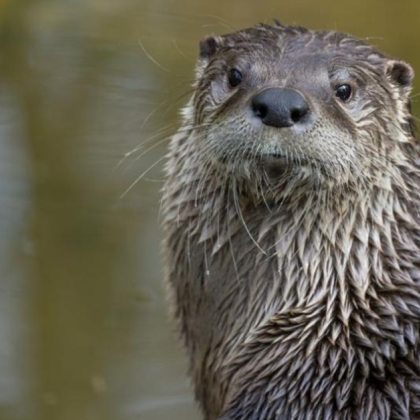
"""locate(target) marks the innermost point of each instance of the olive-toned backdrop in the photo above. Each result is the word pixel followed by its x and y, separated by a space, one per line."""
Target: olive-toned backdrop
pixel 89 93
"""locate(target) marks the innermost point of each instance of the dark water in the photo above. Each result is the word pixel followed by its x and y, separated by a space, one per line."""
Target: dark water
pixel 89 93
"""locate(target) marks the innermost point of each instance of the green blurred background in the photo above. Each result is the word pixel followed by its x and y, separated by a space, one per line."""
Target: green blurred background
pixel 83 326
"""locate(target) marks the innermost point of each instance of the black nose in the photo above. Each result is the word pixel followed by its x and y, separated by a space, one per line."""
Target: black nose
pixel 280 107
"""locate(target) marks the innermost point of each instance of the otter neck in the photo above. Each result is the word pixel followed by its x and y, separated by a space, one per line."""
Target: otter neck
pixel 344 242
pixel 344 251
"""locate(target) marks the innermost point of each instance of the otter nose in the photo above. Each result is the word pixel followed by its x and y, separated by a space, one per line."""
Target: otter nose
pixel 279 107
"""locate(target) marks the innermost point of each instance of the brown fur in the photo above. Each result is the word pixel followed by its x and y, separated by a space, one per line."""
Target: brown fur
pixel 293 258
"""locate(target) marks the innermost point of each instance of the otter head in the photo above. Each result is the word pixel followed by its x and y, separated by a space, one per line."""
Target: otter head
pixel 280 103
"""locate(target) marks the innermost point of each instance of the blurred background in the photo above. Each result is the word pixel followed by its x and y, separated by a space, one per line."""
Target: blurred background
pixel 89 94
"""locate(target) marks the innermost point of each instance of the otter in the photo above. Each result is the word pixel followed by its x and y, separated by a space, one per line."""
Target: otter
pixel 291 219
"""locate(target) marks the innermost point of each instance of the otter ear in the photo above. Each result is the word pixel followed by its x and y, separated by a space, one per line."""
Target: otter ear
pixel 209 46
pixel 401 74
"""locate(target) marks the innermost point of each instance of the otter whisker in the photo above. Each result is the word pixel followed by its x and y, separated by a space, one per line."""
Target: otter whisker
pixel 239 212
pixel 149 56
pixel 141 176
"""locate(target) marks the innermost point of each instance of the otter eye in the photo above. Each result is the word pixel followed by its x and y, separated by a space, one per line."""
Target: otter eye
pixel 343 92
pixel 234 78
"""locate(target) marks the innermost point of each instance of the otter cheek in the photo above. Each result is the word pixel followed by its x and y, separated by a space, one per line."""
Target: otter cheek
pixel 219 92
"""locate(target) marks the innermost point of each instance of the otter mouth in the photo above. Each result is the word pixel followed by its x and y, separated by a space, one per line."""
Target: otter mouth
pixel 282 159
pixel 278 164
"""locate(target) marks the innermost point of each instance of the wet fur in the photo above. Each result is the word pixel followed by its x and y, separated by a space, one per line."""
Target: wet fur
pixel 298 296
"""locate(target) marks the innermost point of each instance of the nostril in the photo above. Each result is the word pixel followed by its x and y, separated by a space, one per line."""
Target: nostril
pixel 260 110
pixel 297 114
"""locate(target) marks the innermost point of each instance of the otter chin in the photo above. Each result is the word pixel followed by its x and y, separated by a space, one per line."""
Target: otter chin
pixel 291 219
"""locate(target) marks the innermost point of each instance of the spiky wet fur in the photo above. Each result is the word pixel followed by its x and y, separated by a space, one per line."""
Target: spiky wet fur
pixel 299 298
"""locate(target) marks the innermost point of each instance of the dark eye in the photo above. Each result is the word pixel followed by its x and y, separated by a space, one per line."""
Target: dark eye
pixel 343 92
pixel 234 78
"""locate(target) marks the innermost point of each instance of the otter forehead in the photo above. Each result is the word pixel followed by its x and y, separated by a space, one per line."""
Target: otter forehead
pixel 290 50
pixel 310 71
pixel 279 40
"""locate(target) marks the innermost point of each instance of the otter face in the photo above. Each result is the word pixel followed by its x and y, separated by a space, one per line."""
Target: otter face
pixel 289 102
